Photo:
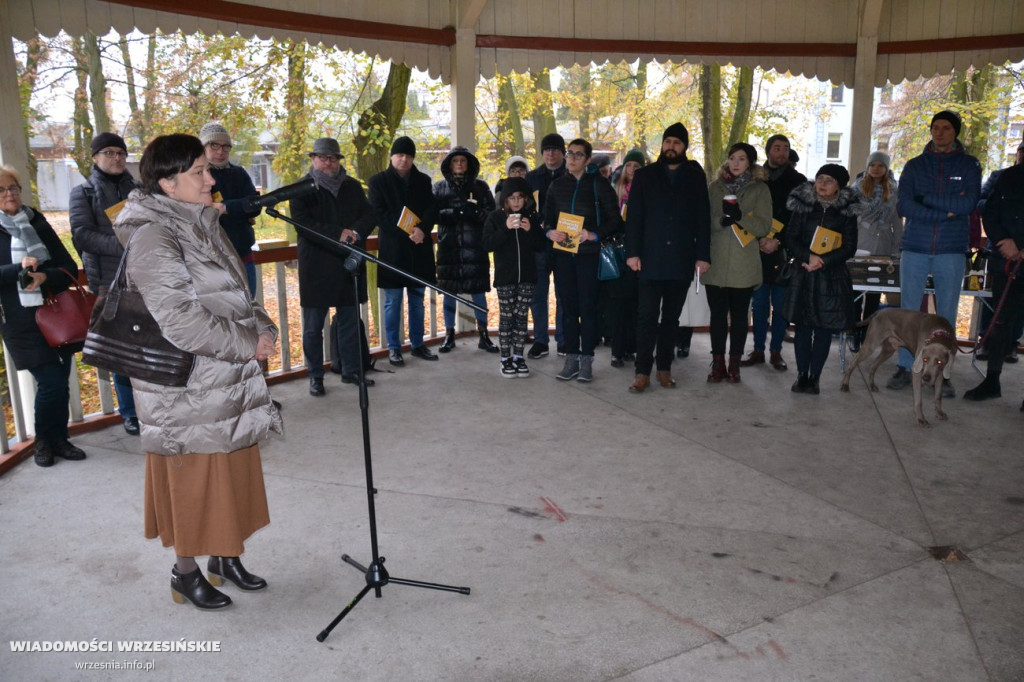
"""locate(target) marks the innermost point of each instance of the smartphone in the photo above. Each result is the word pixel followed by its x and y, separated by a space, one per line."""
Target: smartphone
pixel 24 278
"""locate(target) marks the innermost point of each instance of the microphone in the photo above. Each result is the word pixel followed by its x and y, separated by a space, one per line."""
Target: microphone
pixel 296 189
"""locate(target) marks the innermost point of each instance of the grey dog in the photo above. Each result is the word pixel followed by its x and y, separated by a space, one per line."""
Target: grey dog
pixel 929 338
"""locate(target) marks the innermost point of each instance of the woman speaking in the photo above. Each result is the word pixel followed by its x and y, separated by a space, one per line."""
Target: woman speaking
pixel 204 481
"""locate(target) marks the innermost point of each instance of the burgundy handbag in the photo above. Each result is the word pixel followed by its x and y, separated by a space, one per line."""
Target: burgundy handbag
pixel 64 319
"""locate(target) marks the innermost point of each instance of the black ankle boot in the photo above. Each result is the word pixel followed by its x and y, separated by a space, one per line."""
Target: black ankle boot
pixel 193 587
pixel 812 385
pixel 44 453
pixel 988 388
pixel 486 343
pixel 230 568
pixel 800 385
pixel 449 341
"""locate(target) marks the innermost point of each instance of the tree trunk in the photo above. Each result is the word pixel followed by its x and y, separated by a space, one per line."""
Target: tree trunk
pixel 711 116
pixel 377 125
pixel 36 52
pixel 82 125
pixel 640 122
pixel 149 95
pixel 290 161
pixel 133 101
pixel 584 111
pixel 969 88
pixel 543 110
pixel 97 84
pixel 741 115
pixel 510 126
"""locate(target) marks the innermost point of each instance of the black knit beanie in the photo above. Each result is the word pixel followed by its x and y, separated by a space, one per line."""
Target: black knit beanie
pixel 403 145
pixel 836 172
pixel 678 131
pixel 553 141
pixel 950 116
pixel 746 149
pixel 104 140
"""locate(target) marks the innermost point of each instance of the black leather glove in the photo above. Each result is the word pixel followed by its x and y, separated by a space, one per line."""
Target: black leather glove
pixel 731 210
pixel 727 221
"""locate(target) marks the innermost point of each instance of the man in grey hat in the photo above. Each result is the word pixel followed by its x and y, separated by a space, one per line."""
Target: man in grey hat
pixel 339 210
pixel 92 206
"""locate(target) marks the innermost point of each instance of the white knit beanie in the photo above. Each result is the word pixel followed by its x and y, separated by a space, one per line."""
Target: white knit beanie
pixel 214 132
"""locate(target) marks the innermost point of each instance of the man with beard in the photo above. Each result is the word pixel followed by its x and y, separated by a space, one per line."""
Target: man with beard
pixel 339 210
pixel 552 148
pixel 668 237
pixel 403 186
pixel 767 300
pixel 90 209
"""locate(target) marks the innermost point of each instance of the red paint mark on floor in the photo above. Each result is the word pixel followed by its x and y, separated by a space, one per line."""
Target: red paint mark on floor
pixel 553 509
pixel 779 651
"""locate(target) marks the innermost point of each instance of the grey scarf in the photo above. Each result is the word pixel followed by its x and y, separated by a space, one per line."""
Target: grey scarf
pixel 331 183
pixel 25 242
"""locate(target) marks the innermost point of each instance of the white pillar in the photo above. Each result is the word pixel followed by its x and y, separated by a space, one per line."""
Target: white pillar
pixel 864 84
pixel 463 125
pixel 13 148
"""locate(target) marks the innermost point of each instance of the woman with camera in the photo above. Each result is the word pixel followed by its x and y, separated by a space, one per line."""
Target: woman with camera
pixel 33 260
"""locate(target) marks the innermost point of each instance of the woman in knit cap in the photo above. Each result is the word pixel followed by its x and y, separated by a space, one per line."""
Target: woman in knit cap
pixel 741 213
pixel 515 167
pixel 879 226
pixel 819 298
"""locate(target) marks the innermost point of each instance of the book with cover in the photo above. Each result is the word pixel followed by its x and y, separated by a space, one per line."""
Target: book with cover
pixel 777 226
pixel 115 210
pixel 572 225
pixel 408 220
pixel 825 240
pixel 742 236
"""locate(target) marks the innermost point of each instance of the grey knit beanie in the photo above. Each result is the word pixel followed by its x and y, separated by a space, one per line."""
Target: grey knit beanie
pixel 214 132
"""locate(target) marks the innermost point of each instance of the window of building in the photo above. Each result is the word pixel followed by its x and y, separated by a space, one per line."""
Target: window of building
pixel 837 94
pixel 883 145
pixel 834 142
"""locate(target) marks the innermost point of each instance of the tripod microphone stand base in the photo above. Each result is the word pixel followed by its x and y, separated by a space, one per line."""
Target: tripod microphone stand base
pixel 376 578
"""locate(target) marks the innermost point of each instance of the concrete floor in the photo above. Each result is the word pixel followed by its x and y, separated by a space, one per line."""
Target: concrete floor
pixel 714 532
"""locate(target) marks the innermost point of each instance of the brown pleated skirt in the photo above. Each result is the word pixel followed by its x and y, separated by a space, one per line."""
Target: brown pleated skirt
pixel 205 504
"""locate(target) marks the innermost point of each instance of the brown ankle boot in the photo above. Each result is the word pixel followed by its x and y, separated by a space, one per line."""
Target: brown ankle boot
pixel 756 357
pixel 717 372
pixel 733 373
pixel 640 383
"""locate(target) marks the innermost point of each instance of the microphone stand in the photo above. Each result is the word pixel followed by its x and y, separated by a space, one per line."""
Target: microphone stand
pixel 376 575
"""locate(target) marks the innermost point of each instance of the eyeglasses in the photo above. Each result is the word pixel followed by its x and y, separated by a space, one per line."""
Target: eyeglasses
pixel 576 155
pixel 114 154
pixel 13 189
pixel 328 157
pixel 218 147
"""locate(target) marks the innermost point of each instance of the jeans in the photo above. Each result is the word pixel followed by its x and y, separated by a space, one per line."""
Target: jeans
pixel 52 395
pixel 125 397
pixel 947 271
pixel 393 316
pixel 449 310
pixel 347 348
pixel 768 298
pixel 250 276
pixel 539 307
pixel 577 284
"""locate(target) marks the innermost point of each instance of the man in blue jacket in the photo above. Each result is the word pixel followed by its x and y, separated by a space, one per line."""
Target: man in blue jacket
pixel 938 191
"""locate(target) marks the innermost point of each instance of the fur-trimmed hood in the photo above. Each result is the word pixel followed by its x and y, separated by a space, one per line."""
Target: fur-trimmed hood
pixel 803 199
pixel 757 172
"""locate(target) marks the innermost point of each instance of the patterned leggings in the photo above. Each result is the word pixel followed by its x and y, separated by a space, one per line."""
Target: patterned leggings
pixel 513 305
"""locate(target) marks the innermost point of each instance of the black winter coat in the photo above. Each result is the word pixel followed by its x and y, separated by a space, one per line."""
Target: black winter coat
pixel 823 298
pixel 593 198
pixel 780 187
pixel 668 226
pixel 18 324
pixel 323 280
pixel 91 230
pixel 234 185
pixel 515 251
pixel 462 263
pixel 389 193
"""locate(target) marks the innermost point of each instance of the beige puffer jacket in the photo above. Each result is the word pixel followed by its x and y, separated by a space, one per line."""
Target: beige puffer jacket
pixel 195 287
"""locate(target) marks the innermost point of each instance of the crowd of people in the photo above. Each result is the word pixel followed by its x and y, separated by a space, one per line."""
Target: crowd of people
pixel 762 241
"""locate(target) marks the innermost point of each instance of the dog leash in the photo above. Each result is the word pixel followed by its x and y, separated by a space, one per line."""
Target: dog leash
pixel 1011 275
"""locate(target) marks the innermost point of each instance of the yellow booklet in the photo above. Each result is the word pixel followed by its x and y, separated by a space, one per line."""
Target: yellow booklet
pixel 777 226
pixel 113 211
pixel 742 235
pixel 624 211
pixel 825 240
pixel 408 220
pixel 572 225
